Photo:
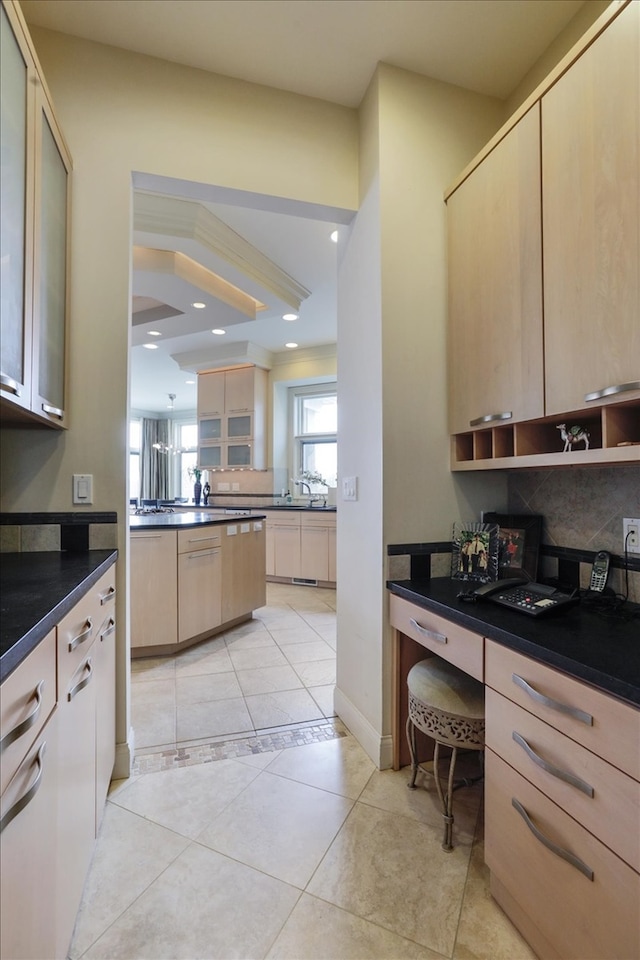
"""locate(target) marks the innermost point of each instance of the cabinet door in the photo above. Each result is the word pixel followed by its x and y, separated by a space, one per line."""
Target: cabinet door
pixel 495 285
pixel 591 206
pixel 105 667
pixel 28 854
pixel 199 593
pixel 332 555
pixel 154 588
pixel 287 550
pixel 50 267
pixel 210 393
pixel 239 389
pixel 314 552
pixel 16 121
pixel 209 428
pixel 76 819
pixel 243 568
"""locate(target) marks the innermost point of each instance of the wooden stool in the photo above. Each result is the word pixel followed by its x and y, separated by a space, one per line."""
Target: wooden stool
pixel 447 705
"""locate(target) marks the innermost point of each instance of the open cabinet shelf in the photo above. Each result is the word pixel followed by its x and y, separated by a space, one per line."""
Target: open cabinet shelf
pixel 614 437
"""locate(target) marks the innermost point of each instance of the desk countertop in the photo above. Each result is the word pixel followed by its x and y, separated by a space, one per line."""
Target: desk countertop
pixel 596 647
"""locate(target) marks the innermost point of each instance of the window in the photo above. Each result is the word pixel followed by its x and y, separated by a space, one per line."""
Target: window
pixel 315 426
pixel 187 443
pixel 135 434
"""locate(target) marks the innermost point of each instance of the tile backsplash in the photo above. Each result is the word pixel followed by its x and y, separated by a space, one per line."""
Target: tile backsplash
pixel 74 532
pixel 582 509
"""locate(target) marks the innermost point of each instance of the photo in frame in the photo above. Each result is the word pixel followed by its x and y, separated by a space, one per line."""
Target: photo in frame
pixel 474 551
pixel 519 537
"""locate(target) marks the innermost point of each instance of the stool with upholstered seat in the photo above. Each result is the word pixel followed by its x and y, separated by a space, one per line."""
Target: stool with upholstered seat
pixel 447 705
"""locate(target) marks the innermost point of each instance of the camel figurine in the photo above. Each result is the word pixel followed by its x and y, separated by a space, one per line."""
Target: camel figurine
pixel 572 436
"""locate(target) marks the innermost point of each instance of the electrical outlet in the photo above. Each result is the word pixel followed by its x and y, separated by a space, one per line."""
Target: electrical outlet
pixel 631 535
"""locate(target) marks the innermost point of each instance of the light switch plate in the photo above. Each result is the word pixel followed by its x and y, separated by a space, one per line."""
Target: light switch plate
pixel 349 488
pixel 83 488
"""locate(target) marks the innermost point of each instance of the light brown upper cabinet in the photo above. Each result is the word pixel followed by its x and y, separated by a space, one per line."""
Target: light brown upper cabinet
pixel 591 211
pixel 495 285
pixel 36 169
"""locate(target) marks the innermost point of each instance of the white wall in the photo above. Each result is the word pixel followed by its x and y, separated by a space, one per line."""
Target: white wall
pixel 122 112
pixel 416 136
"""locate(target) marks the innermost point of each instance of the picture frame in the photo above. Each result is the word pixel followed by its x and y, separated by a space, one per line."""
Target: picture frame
pixel 474 551
pixel 519 537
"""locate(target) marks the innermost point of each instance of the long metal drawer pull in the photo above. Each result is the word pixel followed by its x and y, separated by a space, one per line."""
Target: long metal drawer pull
pixel 8 383
pixel 431 634
pixel 550 768
pixel 550 845
pixel 81 637
pixel 574 712
pixel 80 686
pixel 612 390
pixel 204 553
pixel 203 539
pixel 491 417
pixel 111 626
pixel 29 794
pixel 25 724
pixel 109 595
pixel 53 411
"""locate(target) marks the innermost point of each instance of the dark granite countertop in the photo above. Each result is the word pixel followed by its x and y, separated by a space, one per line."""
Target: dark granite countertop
pixel 183 521
pixel 298 508
pixel 37 590
pixel 598 648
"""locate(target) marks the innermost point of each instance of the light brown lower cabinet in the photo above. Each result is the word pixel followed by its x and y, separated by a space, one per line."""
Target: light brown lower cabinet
pixel 187 584
pixel 301 546
pixel 58 718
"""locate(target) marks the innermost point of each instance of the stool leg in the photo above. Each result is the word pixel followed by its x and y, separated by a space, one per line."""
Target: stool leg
pixel 411 740
pixel 446 799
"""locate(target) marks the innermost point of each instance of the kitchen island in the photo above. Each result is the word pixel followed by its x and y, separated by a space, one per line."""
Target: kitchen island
pixel 193 574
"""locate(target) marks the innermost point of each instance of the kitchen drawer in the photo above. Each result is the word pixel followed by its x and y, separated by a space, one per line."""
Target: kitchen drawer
pixel 602 724
pixel 199 538
pixel 28 697
pixel 459 646
pixel 610 809
pixel 310 519
pixel 583 917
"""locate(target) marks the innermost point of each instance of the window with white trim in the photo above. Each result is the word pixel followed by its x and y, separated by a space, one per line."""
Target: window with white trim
pixel 314 419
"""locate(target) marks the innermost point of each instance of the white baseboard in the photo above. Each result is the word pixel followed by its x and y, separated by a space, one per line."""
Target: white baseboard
pixel 124 758
pixel 377 746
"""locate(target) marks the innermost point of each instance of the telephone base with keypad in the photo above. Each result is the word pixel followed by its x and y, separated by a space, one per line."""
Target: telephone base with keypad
pixel 534 599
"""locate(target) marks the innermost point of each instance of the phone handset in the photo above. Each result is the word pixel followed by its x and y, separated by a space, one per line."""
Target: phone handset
pixel 599 572
pixel 495 586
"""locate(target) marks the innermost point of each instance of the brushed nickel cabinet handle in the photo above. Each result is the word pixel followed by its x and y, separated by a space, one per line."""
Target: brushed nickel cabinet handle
pixel 109 595
pixel 431 634
pixel 574 712
pixel 53 411
pixel 8 383
pixel 550 845
pixel 550 768
pixel 203 539
pixel 81 637
pixel 25 724
pixel 203 553
pixel 109 629
pixel 491 418
pixel 612 390
pixel 29 794
pixel 82 684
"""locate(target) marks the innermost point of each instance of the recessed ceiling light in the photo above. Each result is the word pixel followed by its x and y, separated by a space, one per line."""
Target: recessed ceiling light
pixel 334 236
pixel 153 333
pixel 289 316
pixel 199 305
pixel 150 346
pixel 291 345
pixel 190 382
pixel 218 332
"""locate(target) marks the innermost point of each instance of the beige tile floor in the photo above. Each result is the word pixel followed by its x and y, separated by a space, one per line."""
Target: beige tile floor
pixel 303 852
pixel 276 670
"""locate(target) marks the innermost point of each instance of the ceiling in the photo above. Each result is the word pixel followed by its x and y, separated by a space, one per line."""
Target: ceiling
pixel 285 260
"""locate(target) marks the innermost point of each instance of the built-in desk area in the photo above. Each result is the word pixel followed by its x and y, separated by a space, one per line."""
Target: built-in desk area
pixel 562 775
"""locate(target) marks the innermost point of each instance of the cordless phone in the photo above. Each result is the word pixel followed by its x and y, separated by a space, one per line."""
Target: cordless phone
pixel 599 572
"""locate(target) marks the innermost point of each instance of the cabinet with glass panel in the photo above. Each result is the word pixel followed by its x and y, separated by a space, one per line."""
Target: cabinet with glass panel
pixel 36 167
pixel 231 418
